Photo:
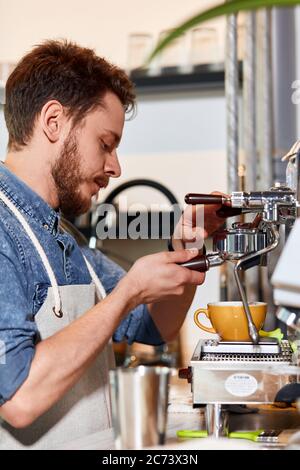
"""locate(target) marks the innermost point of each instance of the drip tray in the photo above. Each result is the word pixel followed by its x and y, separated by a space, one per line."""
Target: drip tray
pixel 265 346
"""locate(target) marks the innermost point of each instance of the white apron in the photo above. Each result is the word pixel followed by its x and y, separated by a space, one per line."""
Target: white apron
pixel 85 409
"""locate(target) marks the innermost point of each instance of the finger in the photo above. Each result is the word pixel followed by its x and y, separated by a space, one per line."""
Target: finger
pixel 255 223
pixel 217 206
pixel 218 193
pixel 193 233
pixel 211 212
pixel 198 215
pixel 194 237
pixel 194 278
pixel 188 216
pixel 181 256
pixel 195 216
pixel 187 276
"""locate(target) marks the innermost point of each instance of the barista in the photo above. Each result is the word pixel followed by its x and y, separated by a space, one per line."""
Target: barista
pixel 59 304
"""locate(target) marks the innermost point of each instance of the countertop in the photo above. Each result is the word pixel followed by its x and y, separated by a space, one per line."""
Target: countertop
pixel 181 415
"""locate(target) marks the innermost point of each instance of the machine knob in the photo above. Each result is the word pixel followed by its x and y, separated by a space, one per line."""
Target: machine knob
pixel 186 374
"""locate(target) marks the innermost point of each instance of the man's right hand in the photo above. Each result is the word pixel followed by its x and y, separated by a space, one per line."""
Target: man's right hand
pixel 157 277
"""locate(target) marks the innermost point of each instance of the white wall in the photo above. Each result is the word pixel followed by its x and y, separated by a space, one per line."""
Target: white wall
pixel 95 23
pixel 177 123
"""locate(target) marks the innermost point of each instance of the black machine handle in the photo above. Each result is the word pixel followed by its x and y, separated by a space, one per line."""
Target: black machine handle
pixel 209 199
pixel 200 263
pixel 194 198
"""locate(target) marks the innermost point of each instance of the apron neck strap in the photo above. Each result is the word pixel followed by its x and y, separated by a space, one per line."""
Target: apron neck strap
pixel 95 279
pixel 57 300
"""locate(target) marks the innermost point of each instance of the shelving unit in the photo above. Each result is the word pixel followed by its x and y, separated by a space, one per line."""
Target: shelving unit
pixel 204 77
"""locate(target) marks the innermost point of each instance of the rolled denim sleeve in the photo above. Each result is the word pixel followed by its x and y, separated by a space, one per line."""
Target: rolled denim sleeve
pixel 138 324
pixel 17 327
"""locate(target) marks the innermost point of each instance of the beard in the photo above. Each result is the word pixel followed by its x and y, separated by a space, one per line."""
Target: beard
pixel 68 177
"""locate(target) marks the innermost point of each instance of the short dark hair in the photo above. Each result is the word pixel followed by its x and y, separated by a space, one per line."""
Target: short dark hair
pixel 64 71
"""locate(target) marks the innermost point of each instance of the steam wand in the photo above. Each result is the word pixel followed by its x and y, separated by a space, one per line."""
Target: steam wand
pixel 240 265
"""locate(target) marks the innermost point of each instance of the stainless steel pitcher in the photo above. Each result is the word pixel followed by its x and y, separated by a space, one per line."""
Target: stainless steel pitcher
pixel 139 399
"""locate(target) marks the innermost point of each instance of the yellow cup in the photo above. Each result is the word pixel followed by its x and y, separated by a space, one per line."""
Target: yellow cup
pixel 229 320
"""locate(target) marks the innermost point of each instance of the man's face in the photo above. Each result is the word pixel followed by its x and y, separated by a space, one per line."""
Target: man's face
pixel 88 157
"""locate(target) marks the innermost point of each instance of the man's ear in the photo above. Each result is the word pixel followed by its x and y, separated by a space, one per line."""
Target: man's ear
pixel 52 118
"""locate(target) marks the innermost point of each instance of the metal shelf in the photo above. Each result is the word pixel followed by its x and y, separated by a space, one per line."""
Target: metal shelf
pixel 203 77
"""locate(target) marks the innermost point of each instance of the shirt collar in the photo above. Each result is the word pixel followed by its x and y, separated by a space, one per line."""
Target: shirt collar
pixel 28 201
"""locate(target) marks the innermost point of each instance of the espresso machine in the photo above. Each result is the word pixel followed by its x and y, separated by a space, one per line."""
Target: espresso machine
pixel 224 373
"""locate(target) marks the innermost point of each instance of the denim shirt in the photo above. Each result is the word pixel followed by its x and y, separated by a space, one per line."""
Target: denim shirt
pixel 24 281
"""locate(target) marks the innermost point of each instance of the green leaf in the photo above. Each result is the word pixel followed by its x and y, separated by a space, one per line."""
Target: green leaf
pixel 227 8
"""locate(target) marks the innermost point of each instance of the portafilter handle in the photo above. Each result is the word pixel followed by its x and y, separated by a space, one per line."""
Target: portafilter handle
pixel 209 199
pixel 203 263
pixel 199 263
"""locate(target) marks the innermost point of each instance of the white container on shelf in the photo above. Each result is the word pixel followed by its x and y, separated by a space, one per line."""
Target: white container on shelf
pixel 205 46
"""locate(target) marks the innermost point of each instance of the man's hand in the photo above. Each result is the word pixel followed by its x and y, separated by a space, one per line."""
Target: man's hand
pixel 158 277
pixel 197 223
pixel 212 222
